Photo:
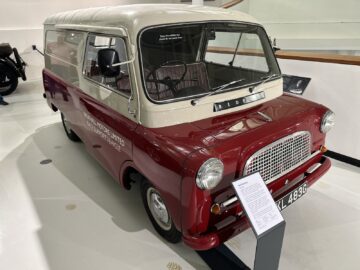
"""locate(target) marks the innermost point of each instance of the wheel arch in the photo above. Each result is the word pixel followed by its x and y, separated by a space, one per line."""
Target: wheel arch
pixel 129 173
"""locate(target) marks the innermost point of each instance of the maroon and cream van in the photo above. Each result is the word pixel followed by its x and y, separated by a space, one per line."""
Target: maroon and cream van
pixel 185 99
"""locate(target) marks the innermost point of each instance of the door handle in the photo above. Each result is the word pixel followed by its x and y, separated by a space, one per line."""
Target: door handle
pixel 130 111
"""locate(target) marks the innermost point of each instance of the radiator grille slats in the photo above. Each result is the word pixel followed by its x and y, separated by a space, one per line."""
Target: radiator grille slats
pixel 277 158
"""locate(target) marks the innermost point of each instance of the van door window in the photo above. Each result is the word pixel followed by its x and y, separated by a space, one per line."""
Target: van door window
pixel 116 79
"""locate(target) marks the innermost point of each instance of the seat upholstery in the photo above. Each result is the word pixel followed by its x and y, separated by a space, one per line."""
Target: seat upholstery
pixel 123 84
pixel 94 69
pixel 196 76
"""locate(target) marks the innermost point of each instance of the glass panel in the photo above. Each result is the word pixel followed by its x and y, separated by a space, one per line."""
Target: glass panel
pixel 63 53
pixel 249 52
pixel 64 45
pixel 95 43
pixel 182 62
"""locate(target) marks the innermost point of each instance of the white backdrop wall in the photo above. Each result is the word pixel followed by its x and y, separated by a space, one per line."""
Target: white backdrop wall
pixel 336 86
pixel 21 20
pixel 309 24
pixel 21 23
pixel 320 25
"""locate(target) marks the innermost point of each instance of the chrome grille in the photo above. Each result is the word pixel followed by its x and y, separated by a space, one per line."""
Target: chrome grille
pixel 280 157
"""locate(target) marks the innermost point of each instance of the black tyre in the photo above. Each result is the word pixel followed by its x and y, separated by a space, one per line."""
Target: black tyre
pixel 8 80
pixel 158 213
pixel 69 132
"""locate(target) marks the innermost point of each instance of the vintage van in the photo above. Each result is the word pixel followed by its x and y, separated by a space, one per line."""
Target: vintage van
pixel 185 99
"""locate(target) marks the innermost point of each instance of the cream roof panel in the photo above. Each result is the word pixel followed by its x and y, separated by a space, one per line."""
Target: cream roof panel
pixel 136 17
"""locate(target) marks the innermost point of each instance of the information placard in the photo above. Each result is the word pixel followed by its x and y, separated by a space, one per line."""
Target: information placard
pixel 258 203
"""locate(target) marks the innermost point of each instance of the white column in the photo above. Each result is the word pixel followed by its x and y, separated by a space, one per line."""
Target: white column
pixel 198 2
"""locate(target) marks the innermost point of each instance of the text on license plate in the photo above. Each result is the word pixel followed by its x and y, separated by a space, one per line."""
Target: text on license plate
pixel 292 197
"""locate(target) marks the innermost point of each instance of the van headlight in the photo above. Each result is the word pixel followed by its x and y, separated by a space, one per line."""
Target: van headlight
pixel 327 122
pixel 210 173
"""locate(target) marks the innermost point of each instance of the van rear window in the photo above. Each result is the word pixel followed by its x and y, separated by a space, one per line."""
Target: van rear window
pixel 64 45
pixel 63 52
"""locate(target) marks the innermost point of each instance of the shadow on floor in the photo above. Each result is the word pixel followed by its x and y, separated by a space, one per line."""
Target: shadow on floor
pixel 63 193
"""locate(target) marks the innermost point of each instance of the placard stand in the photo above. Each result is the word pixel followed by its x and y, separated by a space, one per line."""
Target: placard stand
pixel 266 221
pixel 265 218
pixel 221 258
pixel 268 248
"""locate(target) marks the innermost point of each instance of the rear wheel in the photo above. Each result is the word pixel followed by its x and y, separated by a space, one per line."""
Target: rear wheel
pixel 8 80
pixel 158 213
pixel 69 132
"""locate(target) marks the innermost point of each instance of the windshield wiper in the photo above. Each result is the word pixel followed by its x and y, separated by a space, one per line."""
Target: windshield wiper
pixel 231 63
pixel 265 79
pixel 215 90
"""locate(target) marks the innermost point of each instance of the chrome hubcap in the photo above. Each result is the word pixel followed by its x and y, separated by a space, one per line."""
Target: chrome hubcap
pixel 158 209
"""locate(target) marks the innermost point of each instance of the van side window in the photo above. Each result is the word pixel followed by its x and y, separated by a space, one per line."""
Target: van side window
pixel 63 51
pixel 118 81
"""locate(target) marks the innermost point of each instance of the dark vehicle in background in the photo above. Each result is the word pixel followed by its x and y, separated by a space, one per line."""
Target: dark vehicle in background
pixel 10 69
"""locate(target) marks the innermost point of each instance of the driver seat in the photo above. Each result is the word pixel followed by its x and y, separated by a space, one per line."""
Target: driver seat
pixel 196 76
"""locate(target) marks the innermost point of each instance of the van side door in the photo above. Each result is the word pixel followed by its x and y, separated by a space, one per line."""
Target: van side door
pixel 108 122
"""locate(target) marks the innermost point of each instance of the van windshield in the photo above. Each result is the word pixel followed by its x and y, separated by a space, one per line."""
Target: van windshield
pixel 186 61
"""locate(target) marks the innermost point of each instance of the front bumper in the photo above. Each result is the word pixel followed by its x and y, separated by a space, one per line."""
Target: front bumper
pixel 216 237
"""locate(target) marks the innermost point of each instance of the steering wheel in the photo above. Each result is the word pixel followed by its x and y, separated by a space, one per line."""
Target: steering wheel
pixel 168 81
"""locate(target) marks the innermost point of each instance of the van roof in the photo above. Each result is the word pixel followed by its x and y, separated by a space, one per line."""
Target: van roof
pixel 136 17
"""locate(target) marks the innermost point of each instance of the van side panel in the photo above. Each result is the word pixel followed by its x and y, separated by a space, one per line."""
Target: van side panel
pixel 109 133
pixel 106 133
pixel 58 94
pixel 97 115
pixel 63 53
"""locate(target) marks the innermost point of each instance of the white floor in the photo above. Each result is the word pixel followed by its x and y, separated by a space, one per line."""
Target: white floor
pixel 69 214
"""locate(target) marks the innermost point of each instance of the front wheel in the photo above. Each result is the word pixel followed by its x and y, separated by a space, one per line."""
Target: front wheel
pixel 158 213
pixel 8 80
pixel 69 132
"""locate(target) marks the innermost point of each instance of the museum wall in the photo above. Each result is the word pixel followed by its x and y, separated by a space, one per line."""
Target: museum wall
pixel 21 23
pixel 21 20
pixel 337 87
pixel 322 26
pixel 309 25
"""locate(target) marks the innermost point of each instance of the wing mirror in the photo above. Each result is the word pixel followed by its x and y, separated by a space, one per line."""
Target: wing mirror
pixel 274 46
pixel 211 35
pixel 107 58
pixel 275 49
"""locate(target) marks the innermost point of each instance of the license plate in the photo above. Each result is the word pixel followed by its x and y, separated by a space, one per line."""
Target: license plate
pixel 292 197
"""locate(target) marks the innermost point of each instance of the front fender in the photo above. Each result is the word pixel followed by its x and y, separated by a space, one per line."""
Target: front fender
pixel 161 164
pixel 195 202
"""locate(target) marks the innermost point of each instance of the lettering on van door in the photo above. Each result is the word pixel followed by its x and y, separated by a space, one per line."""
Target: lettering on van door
pixel 105 133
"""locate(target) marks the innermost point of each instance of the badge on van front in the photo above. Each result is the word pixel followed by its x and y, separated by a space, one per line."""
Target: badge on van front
pixel 220 106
